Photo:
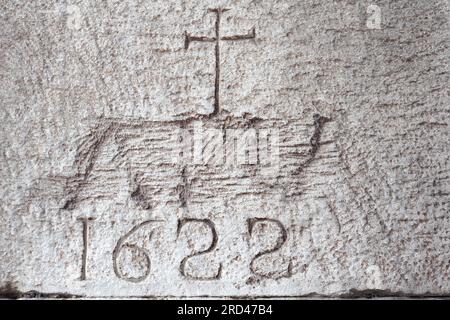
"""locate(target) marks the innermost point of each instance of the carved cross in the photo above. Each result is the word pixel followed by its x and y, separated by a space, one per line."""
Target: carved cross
pixel 189 38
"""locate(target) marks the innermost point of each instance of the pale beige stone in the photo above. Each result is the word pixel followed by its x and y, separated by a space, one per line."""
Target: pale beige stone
pixel 98 99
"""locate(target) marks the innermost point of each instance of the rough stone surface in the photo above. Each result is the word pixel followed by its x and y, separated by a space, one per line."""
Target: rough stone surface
pixel 97 97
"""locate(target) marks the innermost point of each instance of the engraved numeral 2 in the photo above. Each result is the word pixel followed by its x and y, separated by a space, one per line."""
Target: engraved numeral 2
pixel 213 245
pixel 280 242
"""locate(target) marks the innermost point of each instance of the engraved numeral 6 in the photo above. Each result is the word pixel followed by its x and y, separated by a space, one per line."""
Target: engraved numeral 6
pixel 122 245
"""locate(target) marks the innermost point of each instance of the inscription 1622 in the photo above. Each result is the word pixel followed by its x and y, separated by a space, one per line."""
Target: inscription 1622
pixel 140 265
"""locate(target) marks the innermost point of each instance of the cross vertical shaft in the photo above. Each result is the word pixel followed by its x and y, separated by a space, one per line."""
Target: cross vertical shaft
pixel 217 49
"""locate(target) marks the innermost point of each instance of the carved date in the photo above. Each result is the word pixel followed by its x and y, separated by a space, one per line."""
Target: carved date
pixel 131 262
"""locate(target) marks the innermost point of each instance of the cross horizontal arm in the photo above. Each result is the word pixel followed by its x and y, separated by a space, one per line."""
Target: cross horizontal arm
pixel 218 10
pixel 250 35
pixel 188 39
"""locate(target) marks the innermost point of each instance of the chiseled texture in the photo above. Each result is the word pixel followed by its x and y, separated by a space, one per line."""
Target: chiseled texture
pixel 97 96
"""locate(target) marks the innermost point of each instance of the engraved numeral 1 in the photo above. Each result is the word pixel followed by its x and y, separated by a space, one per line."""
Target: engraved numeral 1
pixel 86 226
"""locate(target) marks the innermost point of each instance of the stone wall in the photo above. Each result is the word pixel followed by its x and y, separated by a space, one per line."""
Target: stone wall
pixel 272 148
